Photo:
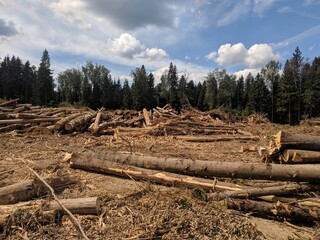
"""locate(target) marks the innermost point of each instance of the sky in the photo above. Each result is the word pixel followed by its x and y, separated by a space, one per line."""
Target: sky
pixel 198 36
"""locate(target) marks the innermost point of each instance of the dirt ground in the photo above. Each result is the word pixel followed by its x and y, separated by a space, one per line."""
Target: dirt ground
pixel 139 210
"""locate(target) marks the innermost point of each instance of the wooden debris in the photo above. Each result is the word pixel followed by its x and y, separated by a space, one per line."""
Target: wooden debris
pixel 301 156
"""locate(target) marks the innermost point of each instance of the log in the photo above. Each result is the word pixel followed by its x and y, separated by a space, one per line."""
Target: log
pixel 146 117
pixel 11 127
pixel 80 161
pixel 264 209
pixel 24 121
pixel 79 122
pixel 48 130
pixel 199 168
pixel 284 140
pixel 60 124
pixel 257 192
pixel 9 103
pixel 94 128
pixel 248 149
pixel 20 109
pixel 217 138
pixel 29 189
pixel 83 206
pixel 301 156
pixel 29 116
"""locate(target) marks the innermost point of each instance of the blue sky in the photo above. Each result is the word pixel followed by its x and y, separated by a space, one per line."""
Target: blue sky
pixel 196 35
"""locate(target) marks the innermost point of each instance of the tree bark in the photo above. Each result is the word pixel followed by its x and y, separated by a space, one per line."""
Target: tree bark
pixel 263 209
pixel 217 138
pixel 29 189
pixel 301 156
pixel 24 121
pixel 29 116
pixel 257 192
pixel 79 122
pixel 60 124
pixel 296 173
pixel 9 103
pixel 48 130
pixel 81 161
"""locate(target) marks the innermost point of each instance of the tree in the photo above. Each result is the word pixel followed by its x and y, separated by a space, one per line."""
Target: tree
pixel 173 87
pixel 227 86
pixel 271 74
pixel 69 83
pixel 127 97
pixel 191 93
pixel 139 88
pixel 211 94
pixel 201 92
pixel 44 83
pixel 151 93
pixel 248 94
pixel 28 76
pixel 239 94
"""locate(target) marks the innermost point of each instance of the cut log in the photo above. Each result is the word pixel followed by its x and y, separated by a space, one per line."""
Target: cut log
pixel 20 109
pixel 79 122
pixel 83 206
pixel 24 121
pixel 29 189
pixel 248 149
pixel 146 117
pixel 217 138
pixel 94 127
pixel 301 156
pixel 48 130
pixel 9 103
pixel 79 161
pixel 285 140
pixel 29 116
pixel 257 192
pixel 11 127
pixel 264 209
pixel 60 124
pixel 296 173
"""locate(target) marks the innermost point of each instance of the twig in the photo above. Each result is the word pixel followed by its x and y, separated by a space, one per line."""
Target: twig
pixel 73 219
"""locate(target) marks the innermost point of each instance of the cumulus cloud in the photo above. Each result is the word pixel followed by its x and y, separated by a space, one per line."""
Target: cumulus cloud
pixel 245 72
pixel 237 54
pixel 7 29
pixel 127 46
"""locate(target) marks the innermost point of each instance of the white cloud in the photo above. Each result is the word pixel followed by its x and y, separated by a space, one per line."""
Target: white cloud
pixel 155 53
pixel 240 9
pixel 125 46
pixel 237 54
pixel 245 72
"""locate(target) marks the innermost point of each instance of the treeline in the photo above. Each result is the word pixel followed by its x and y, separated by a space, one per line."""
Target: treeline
pixel 284 96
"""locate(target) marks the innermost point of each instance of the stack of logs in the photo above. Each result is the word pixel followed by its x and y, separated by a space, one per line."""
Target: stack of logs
pixel 294 148
pixel 192 125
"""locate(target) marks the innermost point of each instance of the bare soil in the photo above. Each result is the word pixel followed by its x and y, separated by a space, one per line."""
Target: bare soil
pixel 140 210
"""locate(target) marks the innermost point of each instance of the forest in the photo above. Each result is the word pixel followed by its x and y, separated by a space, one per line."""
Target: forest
pixel 284 95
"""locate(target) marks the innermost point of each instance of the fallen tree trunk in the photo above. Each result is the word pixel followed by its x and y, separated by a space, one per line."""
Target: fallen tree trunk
pixel 146 117
pixel 29 189
pixel 257 192
pixel 60 124
pixel 48 130
pixel 301 156
pixel 80 161
pixel 29 116
pixel 264 209
pixel 217 138
pixel 24 121
pixel 11 127
pixel 296 173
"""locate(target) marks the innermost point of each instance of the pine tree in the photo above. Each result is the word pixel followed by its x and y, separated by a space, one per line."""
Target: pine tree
pixel 44 82
pixel 191 93
pixel 127 97
pixel 151 93
pixel 173 87
pixel 239 94
pixel 211 94
pixel 271 74
pixel 140 88
pixel 28 76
